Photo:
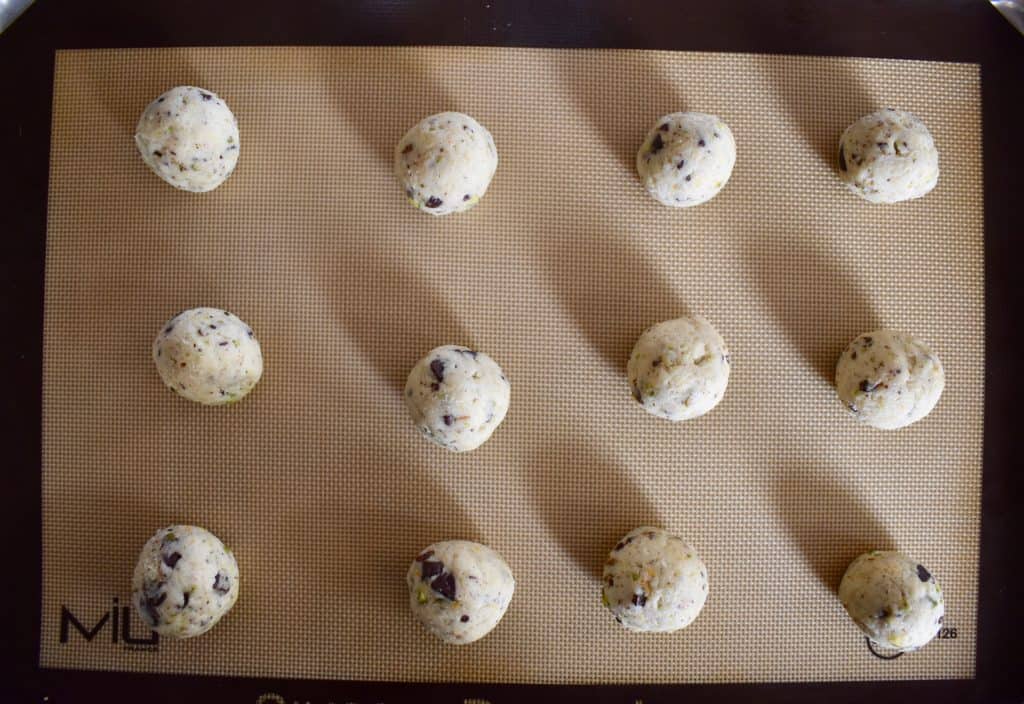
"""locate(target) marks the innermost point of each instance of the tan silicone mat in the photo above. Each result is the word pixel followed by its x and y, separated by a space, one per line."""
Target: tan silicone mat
pixel 319 481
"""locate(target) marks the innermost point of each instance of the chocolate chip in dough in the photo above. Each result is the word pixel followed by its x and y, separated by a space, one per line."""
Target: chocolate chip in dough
pixel 431 569
pixel 437 369
pixel 445 585
pixel 221 583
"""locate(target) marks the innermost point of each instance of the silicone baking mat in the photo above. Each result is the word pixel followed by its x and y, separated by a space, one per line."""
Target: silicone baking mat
pixel 321 485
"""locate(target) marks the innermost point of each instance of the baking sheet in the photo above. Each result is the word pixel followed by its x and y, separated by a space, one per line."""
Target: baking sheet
pixel 319 482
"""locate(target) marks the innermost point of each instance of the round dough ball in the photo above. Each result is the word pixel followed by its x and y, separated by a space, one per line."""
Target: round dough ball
pixel 457 397
pixel 208 356
pixel 654 582
pixel 445 163
pixel 679 368
pixel 459 590
pixel 888 379
pixel 686 158
pixel 185 581
pixel 189 137
pixel 895 601
pixel 888 156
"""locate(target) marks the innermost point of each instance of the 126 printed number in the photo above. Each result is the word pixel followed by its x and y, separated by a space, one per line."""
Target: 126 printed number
pixel 947 633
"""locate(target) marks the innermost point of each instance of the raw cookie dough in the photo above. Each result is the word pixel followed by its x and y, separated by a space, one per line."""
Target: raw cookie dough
pixel 679 368
pixel 888 156
pixel 208 356
pixel 445 163
pixel 189 137
pixel 686 158
pixel 457 397
pixel 459 590
pixel 654 582
pixel 895 601
pixel 888 379
pixel 185 581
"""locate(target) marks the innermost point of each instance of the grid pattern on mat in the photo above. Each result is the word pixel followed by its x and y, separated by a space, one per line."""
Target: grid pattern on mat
pixel 318 480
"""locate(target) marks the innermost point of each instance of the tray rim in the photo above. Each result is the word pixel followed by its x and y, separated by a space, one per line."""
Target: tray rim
pixel 974 34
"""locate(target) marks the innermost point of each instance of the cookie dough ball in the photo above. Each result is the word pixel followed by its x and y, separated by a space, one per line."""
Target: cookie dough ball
pixel 445 163
pixel 888 379
pixel 189 137
pixel 888 156
pixel 686 158
pixel 654 582
pixel 459 590
pixel 679 368
pixel 894 600
pixel 185 581
pixel 208 356
pixel 457 397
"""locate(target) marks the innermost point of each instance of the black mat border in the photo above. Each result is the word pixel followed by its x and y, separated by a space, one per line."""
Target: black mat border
pixel 945 30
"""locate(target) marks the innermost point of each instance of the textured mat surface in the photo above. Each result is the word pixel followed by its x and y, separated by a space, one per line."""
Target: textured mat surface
pixel 321 485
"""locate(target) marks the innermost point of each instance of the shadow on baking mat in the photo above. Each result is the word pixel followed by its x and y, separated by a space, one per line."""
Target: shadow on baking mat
pixel 822 98
pixel 353 543
pixel 828 522
pixel 607 286
pixel 104 557
pixel 819 303
pixel 126 100
pixel 114 91
pixel 620 112
pixel 420 511
pixel 588 511
pixel 393 316
pixel 359 90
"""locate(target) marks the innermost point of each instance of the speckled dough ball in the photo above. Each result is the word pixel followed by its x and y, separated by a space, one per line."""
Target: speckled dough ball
pixel 889 380
pixel 445 163
pixel 888 156
pixel 189 137
pixel 686 158
pixel 894 600
pixel 654 582
pixel 185 581
pixel 208 356
pixel 457 397
pixel 679 368
pixel 459 590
